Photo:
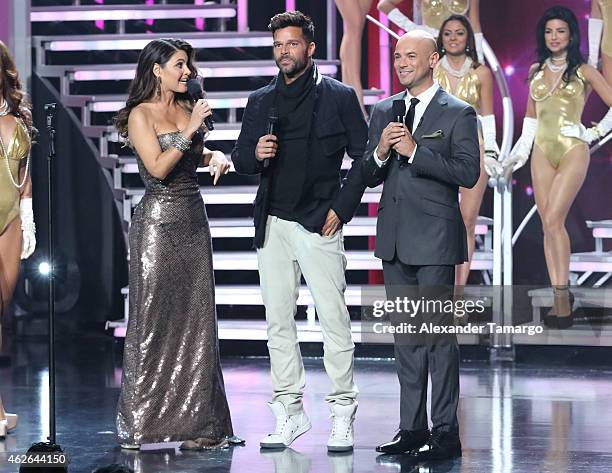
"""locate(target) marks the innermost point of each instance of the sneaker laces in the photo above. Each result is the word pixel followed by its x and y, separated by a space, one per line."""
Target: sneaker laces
pixel 281 423
pixel 342 424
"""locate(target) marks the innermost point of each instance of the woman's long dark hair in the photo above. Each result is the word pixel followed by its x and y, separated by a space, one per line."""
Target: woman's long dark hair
pixel 143 87
pixel 574 57
pixel 11 90
pixel 471 40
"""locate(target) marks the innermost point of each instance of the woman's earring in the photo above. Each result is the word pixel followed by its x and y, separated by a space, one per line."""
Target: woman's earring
pixel 158 88
pixel 467 49
pixel 442 50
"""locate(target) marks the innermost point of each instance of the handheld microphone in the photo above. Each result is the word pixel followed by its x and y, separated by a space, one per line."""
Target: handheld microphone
pixel 194 88
pixel 272 122
pixel 399 110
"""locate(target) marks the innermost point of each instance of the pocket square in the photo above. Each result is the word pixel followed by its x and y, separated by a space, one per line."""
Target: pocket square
pixel 434 135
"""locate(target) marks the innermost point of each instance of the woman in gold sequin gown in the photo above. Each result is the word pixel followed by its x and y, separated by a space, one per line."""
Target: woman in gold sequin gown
pixel 560 158
pixel 172 387
pixel 600 36
pixel 459 73
pixel 16 216
pixel 433 13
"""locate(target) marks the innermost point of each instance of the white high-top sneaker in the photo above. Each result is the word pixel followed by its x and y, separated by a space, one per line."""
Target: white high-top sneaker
pixel 341 437
pixel 288 428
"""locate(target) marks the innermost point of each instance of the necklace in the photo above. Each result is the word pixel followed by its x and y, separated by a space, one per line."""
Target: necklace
pixel 554 67
pixel 459 73
pixel 557 81
pixel 4 108
pixel 8 168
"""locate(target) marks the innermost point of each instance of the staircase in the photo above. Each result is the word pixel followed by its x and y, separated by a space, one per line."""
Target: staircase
pixel 92 68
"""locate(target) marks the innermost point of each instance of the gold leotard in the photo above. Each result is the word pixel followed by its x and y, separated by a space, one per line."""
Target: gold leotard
pixel 565 103
pixel 434 12
pixel 467 89
pixel 606 15
pixel 17 149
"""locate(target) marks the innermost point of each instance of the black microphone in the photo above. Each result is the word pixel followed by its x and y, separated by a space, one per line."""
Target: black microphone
pixel 399 110
pixel 272 122
pixel 194 88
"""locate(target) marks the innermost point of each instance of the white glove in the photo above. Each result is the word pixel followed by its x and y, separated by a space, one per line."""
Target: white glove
pixel 521 150
pixel 588 135
pixel 407 24
pixel 492 166
pixel 479 51
pixel 595 31
pixel 489 133
pixel 27 227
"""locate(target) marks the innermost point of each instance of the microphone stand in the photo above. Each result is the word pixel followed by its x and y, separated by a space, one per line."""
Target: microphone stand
pixel 50 446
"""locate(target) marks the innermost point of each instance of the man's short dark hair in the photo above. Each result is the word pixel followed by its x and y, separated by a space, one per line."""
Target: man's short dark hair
pixel 293 18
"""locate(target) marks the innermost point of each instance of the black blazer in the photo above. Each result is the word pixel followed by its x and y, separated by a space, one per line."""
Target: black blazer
pixel 338 126
pixel 418 214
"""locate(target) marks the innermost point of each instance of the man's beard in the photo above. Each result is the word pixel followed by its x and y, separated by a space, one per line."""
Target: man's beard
pixel 295 68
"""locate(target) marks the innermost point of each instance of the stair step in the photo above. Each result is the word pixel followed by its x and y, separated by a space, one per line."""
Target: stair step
pixel 225 195
pixel 217 100
pixel 208 70
pixel 137 41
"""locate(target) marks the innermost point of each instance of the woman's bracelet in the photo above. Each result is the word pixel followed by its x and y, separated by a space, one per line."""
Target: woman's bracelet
pixel 180 142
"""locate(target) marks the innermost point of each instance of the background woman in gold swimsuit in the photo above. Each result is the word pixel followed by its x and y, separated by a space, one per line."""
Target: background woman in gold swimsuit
pixel 600 23
pixel 459 73
pixel 557 90
pixel 433 13
pixel 16 216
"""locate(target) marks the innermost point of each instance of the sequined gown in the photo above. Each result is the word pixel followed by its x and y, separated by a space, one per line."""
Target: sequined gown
pixel 172 387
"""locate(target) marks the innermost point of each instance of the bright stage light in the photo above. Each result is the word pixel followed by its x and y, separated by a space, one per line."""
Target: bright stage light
pixel 44 268
pixel 509 70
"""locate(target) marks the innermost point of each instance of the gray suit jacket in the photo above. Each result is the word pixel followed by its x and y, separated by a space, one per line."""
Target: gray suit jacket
pixel 418 215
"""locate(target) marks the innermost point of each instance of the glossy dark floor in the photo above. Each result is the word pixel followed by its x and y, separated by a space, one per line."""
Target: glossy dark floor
pixel 514 418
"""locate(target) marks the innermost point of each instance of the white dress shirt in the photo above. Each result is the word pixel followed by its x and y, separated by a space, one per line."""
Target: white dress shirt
pixel 424 99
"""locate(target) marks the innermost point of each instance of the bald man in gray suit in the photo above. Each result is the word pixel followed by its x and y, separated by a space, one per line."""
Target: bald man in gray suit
pixel 420 233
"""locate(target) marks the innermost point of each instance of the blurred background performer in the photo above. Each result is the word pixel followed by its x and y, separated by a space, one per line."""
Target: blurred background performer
pixel 600 35
pixel 172 387
pixel 353 14
pixel 460 74
pixel 557 89
pixel 17 230
pixel 434 13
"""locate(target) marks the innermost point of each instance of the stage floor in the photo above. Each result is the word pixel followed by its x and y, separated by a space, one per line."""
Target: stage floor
pixel 514 418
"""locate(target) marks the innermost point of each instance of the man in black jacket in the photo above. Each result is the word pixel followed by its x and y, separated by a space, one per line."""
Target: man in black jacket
pixel 299 210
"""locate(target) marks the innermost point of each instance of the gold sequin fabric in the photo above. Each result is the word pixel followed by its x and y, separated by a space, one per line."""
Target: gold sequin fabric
pixel 17 148
pixel 434 12
pixel 172 387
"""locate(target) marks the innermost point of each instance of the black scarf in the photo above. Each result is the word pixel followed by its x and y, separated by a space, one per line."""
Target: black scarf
pixel 295 106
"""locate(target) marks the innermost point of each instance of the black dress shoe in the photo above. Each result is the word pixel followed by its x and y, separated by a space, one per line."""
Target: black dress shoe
pixel 442 446
pixel 401 462
pixel 405 441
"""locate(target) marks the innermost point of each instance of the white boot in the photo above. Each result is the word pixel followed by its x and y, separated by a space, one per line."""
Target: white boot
pixel 288 428
pixel 341 437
